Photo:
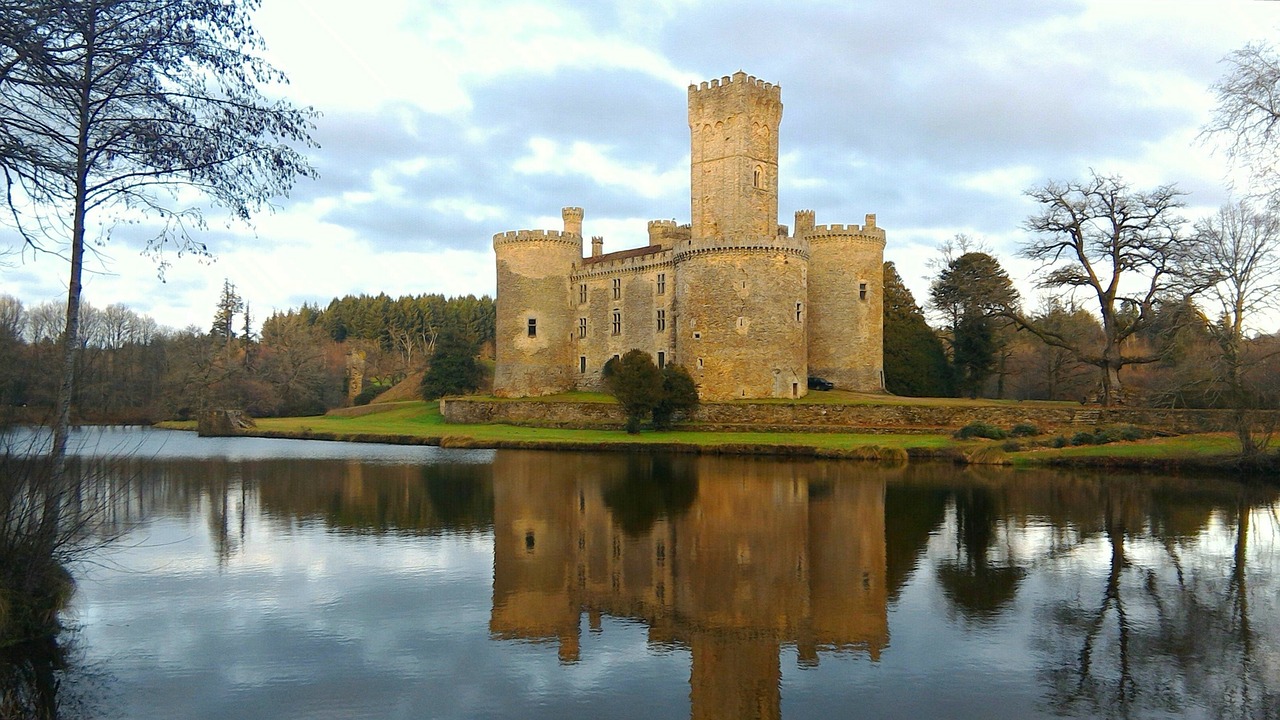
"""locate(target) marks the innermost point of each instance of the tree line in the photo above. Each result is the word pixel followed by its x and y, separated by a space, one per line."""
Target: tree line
pixel 133 370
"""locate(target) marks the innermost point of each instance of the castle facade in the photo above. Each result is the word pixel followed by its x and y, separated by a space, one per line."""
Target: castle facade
pixel 750 308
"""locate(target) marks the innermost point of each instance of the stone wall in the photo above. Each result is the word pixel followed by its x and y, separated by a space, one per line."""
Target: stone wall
pixel 823 417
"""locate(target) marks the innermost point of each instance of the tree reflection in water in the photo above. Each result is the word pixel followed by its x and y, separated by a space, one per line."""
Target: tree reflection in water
pixel 1167 628
pixel 1129 596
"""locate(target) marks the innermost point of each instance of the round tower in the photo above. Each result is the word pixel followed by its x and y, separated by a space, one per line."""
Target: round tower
pixel 846 296
pixel 741 313
pixel 534 328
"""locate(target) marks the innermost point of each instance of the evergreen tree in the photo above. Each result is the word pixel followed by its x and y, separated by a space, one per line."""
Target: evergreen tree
pixel 973 291
pixel 230 304
pixel 636 382
pixel 453 369
pixel 679 394
pixel 915 362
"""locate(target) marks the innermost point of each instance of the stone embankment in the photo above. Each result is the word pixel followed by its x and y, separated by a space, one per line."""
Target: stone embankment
pixel 830 417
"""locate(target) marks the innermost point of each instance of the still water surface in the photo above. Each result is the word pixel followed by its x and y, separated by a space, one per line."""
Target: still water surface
pixel 290 579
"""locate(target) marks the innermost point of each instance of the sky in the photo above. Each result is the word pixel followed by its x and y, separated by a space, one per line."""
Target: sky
pixel 448 121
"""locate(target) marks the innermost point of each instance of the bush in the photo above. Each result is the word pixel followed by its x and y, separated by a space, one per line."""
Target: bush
pixel 636 382
pixel 1024 430
pixel 1059 442
pixel 367 395
pixel 982 430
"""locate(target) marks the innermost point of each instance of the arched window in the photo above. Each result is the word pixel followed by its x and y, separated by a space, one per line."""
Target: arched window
pixel 756 180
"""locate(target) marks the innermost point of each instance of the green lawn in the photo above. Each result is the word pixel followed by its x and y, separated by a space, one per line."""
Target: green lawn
pixel 422 421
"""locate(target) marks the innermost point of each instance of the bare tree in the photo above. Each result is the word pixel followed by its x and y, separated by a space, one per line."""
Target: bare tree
pixel 1247 117
pixel 131 105
pixel 1124 247
pixel 1238 252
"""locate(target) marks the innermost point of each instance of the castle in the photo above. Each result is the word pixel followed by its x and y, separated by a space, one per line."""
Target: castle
pixel 748 307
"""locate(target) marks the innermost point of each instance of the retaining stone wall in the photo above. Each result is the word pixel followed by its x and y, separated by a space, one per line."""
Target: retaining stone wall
pixel 815 417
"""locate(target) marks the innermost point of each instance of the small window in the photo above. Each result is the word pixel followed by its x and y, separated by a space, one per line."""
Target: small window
pixel 699 363
pixel 617 322
pixel 617 288
pixel 582 294
pixel 582 364
pixel 662 283
pixel 742 322
pixel 533 327
pixel 662 359
pixel 862 291
pixel 799 312
pixel 662 320
pixel 697 336
pixel 755 181
pixel 582 327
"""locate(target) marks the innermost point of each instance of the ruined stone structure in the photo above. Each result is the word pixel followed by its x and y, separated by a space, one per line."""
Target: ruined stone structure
pixel 749 307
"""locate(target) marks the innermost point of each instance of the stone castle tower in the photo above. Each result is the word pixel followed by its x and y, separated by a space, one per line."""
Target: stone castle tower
pixel 749 308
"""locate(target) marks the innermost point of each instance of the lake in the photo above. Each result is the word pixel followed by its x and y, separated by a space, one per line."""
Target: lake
pixel 254 578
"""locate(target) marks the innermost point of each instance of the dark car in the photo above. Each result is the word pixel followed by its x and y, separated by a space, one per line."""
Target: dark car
pixel 817 383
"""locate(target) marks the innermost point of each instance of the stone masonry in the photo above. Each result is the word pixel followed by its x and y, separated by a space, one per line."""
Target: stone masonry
pixel 749 307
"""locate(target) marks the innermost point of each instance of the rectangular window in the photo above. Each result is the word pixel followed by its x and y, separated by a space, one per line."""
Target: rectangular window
pixel 617 288
pixel 617 322
pixel 662 359
pixel 533 327
pixel 799 311
pixel 582 327
pixel 662 320
pixel 699 363
pixel 582 364
pixel 662 283
pixel 862 291
pixel 582 294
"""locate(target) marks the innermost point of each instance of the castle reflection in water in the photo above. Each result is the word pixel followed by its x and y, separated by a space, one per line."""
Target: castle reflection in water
pixel 719 556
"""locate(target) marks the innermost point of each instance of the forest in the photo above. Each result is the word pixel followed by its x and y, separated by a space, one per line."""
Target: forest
pixel 133 371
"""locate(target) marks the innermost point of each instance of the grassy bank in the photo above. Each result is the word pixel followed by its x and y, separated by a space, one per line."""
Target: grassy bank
pixel 421 423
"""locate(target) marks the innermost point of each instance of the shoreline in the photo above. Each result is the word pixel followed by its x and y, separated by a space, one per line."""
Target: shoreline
pixel 419 423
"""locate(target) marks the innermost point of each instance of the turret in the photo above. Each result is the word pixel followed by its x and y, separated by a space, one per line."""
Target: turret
pixel 846 283
pixel 572 220
pixel 804 222
pixel 533 308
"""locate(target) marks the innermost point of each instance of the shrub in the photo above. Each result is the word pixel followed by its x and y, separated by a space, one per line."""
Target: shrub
pixel 636 382
pixel 1024 430
pixel 982 430
pixel 679 395
pixel 1059 442
pixel 367 395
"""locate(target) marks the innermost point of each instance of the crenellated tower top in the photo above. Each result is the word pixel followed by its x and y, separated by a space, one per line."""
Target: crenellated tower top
pixel 733 130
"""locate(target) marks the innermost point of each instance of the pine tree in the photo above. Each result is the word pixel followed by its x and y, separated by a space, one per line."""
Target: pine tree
pixel 915 363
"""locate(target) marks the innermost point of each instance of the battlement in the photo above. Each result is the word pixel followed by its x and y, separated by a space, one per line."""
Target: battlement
pixel 737 80
pixel 538 236
pixel 798 246
pixel 869 231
